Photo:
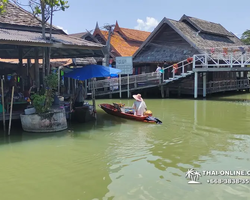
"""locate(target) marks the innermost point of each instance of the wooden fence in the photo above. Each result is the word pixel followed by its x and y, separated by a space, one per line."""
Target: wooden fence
pixel 128 83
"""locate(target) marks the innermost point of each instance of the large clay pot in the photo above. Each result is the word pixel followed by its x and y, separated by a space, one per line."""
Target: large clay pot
pixel 52 121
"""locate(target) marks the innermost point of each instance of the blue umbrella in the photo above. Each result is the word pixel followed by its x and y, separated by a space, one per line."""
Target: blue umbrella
pixel 91 71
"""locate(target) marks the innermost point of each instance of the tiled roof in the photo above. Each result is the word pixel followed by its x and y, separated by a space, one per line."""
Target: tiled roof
pixel 123 47
pixel 135 34
pixel 15 15
pixel 205 40
pixel 124 41
pixel 193 32
pixel 206 26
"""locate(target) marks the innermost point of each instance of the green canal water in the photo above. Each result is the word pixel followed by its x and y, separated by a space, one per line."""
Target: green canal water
pixel 119 159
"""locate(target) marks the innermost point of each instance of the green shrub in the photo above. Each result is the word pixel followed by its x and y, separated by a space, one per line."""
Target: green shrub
pixel 43 103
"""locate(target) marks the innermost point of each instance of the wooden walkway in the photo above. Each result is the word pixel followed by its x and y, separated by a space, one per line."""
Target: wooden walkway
pixel 201 63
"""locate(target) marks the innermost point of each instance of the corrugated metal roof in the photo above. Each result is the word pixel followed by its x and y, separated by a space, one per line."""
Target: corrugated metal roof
pixel 40 61
pixel 78 35
pixel 65 39
pixel 26 36
pixel 23 36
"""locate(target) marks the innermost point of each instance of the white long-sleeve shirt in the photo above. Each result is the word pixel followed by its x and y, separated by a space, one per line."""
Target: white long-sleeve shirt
pixel 140 107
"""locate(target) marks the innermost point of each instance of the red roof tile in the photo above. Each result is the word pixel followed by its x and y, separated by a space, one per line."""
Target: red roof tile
pixel 124 41
pixel 123 47
pixel 135 34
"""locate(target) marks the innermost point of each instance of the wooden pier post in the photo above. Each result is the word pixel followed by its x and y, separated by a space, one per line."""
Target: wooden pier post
pixel 128 85
pixel 162 91
pixel 11 107
pixel 120 85
pixel 167 92
pixel 179 91
pixel 37 76
pixel 59 80
pixel 3 105
pixel 195 85
pixel 93 97
pixel 68 89
pixel 204 85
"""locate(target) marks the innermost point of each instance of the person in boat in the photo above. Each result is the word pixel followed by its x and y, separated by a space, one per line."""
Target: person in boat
pixel 80 95
pixel 139 105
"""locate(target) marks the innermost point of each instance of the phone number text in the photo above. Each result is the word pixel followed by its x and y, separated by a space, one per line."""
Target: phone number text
pixel 228 181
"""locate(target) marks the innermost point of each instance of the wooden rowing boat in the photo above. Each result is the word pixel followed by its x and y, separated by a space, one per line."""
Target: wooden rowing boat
pixel 116 111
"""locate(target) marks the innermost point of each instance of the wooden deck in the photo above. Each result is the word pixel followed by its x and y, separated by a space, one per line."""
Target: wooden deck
pixel 15 115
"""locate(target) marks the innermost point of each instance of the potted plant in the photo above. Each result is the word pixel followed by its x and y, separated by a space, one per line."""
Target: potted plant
pixel 45 119
pixel 43 102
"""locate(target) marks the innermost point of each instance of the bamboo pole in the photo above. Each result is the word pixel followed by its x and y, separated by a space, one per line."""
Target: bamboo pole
pixel 3 105
pixel 93 97
pixel 11 107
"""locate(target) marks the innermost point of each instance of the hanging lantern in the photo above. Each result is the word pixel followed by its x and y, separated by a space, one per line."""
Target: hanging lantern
pixel 189 60
pixel 225 51
pixel 212 51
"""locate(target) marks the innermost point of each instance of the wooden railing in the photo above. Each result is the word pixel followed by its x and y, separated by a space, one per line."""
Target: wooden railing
pixel 183 67
pixel 126 83
pixel 221 60
pixel 227 85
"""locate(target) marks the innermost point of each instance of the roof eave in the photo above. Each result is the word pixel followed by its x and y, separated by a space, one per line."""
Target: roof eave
pixel 165 20
pixel 152 34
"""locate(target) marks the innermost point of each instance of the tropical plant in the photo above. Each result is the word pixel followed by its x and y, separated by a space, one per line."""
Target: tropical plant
pixel 43 103
pixel 3 5
pixel 44 10
pixel 38 102
pixel 245 37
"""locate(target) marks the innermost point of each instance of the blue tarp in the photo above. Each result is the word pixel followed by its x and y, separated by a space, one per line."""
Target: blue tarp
pixel 91 71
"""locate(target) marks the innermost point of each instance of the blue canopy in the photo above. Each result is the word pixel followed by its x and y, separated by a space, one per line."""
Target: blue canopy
pixel 91 71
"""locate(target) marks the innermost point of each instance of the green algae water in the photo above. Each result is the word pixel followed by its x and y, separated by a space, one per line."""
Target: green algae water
pixel 119 159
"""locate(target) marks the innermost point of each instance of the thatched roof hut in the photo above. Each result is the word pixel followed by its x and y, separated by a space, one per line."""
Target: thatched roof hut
pixel 174 41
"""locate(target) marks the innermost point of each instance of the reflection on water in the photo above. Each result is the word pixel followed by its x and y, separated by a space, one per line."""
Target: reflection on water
pixel 115 158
